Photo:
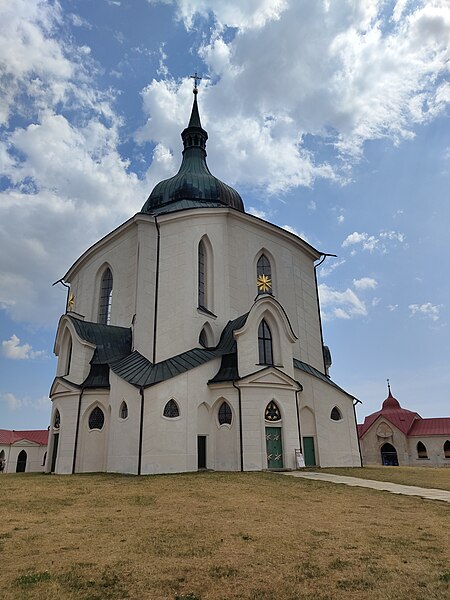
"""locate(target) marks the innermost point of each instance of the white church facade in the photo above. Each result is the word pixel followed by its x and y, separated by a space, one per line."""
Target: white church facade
pixel 192 339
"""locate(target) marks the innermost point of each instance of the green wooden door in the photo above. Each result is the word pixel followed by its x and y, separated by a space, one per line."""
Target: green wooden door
pixel 274 448
pixel 308 452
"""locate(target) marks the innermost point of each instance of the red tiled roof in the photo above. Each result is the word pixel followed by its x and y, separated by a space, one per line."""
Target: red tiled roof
pixel 439 426
pixel 38 436
pixel 402 418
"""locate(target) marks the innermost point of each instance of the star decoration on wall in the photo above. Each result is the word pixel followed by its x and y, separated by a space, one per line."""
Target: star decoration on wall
pixel 70 302
pixel 264 283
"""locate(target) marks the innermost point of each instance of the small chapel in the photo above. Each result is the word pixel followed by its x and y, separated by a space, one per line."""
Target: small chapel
pixel 192 339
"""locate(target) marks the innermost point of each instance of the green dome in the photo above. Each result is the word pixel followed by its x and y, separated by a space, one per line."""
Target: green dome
pixel 194 185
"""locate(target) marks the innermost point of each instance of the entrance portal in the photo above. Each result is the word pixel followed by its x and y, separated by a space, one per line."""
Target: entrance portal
pixel 309 452
pixel 21 462
pixel 201 451
pixel 274 448
pixel 389 456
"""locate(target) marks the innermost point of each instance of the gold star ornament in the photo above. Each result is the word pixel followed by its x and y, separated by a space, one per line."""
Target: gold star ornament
pixel 264 283
pixel 70 302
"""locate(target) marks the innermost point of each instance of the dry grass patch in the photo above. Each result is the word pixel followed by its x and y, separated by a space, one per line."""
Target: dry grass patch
pixel 250 536
pixel 427 477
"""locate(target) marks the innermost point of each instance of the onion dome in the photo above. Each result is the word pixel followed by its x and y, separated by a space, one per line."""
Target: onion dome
pixel 391 403
pixel 194 185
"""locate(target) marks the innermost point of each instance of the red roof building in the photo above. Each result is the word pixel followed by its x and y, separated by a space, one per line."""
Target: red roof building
pixel 23 451
pixel 397 436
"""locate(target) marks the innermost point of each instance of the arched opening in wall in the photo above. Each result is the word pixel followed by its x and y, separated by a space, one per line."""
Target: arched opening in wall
pixel 447 449
pixel 56 420
pixel 264 275
pixel 105 302
pixel 96 418
pixel 265 345
pixel 44 459
pixel 2 461
pixel 336 414
pixel 389 456
pixel 123 411
pixel 274 442
pixel 205 275
pixel 68 357
pixel 21 462
pixel 225 414
pixel 203 338
pixel 171 410
pixel 421 450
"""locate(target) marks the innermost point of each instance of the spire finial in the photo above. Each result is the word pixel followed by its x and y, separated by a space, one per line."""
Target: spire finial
pixel 196 77
pixel 389 386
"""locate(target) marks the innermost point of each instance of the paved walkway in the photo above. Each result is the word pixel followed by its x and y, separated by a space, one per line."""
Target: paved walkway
pixel 394 488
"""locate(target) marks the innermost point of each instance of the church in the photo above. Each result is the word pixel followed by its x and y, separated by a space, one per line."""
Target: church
pixel 192 339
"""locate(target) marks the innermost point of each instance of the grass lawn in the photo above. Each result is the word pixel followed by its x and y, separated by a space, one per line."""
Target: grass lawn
pixel 223 536
pixel 427 477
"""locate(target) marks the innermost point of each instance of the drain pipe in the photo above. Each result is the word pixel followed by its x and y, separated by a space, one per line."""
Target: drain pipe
pixel 77 429
pixel 297 392
pixel 141 428
pixel 155 312
pixel 241 446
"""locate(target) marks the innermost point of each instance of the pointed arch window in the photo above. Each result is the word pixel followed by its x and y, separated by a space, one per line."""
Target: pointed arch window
pixel 225 414
pixel 272 412
pixel 68 357
pixel 203 339
pixel 265 349
pixel 171 410
pixel 202 282
pixel 421 450
pixel 264 275
pixel 123 411
pixel 57 420
pixel 106 290
pixel 336 414
pixel 96 419
pixel 447 449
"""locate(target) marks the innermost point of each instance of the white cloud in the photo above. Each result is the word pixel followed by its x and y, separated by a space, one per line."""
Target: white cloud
pixel 365 283
pixel 257 213
pixel 428 310
pixel 312 205
pixel 340 305
pixel 392 307
pixel 331 264
pixel 14 403
pixel 12 348
pixel 295 232
pixel 381 242
pixel 340 219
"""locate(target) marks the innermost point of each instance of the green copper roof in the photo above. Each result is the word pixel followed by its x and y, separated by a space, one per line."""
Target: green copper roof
pixel 194 182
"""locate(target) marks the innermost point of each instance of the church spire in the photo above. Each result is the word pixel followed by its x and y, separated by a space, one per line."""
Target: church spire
pixel 194 136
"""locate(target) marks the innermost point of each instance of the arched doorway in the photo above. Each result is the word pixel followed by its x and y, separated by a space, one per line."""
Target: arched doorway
pixel 389 456
pixel 21 462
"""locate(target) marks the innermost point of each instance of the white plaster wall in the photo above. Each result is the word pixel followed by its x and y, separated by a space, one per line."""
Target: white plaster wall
pixel 371 444
pixel 67 404
pixel 123 443
pixel 336 442
pixel 35 456
pixel 82 353
pixel 93 443
pixel 435 451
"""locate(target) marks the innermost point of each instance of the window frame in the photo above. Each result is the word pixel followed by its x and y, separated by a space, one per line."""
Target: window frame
pixel 123 405
pixel 105 297
pixel 96 409
pixel 422 452
pixel 264 269
pixel 278 410
pixel 265 344
pixel 229 413
pixel 202 275
pixel 339 412
pixel 168 417
pixel 446 450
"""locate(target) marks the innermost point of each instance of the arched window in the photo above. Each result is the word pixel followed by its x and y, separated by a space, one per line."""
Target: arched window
pixel 21 462
pixel 447 449
pixel 225 414
pixel 106 290
pixel 336 414
pixel 421 450
pixel 202 283
pixel 68 357
pixel 264 275
pixel 265 344
pixel 96 419
pixel 171 410
pixel 203 339
pixel 272 412
pixel 57 420
pixel 123 411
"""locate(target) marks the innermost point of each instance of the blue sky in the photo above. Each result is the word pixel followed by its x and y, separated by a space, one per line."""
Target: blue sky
pixel 331 119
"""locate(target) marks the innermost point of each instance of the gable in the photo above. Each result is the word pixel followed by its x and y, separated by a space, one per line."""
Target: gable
pixel 375 427
pixel 270 377
pixel 62 386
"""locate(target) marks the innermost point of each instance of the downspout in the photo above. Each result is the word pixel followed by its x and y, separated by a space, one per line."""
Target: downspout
pixel 324 256
pixel 141 428
pixel 241 446
pixel 356 427
pixel 75 446
pixel 298 420
pixel 155 312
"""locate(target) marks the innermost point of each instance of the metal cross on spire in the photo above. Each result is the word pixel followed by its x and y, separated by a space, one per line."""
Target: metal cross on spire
pixel 389 385
pixel 196 77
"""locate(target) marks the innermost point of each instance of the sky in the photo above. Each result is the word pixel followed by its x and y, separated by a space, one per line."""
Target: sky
pixel 330 118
